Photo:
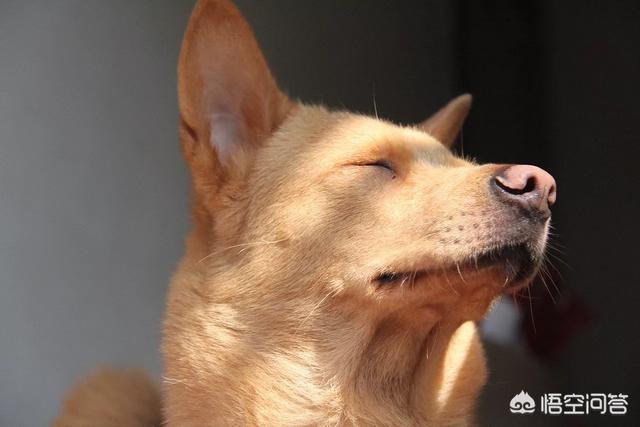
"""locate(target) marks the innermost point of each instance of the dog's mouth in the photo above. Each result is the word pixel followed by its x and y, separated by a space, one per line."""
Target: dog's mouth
pixel 517 263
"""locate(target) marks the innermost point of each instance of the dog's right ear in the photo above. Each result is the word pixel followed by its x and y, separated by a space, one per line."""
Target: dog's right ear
pixel 446 123
pixel 229 102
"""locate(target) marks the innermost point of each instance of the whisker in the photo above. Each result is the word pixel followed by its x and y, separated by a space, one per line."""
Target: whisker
pixel 553 282
pixel 544 282
pixel 172 381
pixel 312 311
pixel 533 322
pixel 375 106
pixel 446 276
pixel 555 242
pixel 547 262
pixel 404 280
pixel 460 272
pixel 555 257
pixel 506 281
pixel 552 247
pixel 245 246
pixel 509 269
pixel 436 334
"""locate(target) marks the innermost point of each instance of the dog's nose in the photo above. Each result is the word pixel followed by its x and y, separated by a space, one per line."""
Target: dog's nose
pixel 528 186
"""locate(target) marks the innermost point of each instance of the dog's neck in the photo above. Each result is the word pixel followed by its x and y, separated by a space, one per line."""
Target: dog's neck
pixel 319 368
pixel 396 373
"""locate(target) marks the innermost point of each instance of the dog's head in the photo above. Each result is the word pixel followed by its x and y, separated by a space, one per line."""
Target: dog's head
pixel 336 225
pixel 341 202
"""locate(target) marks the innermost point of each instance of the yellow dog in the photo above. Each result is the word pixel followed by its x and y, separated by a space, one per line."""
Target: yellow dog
pixel 336 263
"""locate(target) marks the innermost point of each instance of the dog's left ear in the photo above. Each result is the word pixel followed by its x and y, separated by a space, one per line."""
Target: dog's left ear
pixel 229 101
pixel 446 123
pixel 229 106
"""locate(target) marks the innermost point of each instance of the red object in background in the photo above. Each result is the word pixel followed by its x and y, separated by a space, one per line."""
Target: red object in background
pixel 549 322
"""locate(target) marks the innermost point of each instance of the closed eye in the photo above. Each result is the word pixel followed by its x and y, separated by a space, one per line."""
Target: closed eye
pixel 382 164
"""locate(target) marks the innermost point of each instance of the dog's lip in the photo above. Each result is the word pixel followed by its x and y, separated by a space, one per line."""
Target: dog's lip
pixel 518 259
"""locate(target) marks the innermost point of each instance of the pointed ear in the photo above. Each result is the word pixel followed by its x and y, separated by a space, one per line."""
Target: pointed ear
pixel 446 123
pixel 229 102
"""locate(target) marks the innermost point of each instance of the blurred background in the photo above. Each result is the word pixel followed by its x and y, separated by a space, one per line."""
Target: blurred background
pixel 93 192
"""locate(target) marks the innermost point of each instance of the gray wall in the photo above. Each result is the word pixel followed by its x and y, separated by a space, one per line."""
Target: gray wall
pixel 93 203
pixel 93 206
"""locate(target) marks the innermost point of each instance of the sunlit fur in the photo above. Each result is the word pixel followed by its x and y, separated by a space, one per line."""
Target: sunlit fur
pixel 279 322
pixel 274 315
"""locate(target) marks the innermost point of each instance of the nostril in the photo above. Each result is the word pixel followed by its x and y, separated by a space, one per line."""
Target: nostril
pixel 531 185
pixel 510 187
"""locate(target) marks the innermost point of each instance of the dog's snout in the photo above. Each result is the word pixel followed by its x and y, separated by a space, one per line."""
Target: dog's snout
pixel 528 186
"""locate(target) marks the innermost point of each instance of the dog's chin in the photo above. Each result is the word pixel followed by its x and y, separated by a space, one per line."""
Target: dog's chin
pixel 511 266
pixel 514 265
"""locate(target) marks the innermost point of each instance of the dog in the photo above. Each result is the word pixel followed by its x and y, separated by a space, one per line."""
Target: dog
pixel 337 262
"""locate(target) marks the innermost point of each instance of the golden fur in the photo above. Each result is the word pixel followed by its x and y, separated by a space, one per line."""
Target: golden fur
pixel 274 315
pixel 112 398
